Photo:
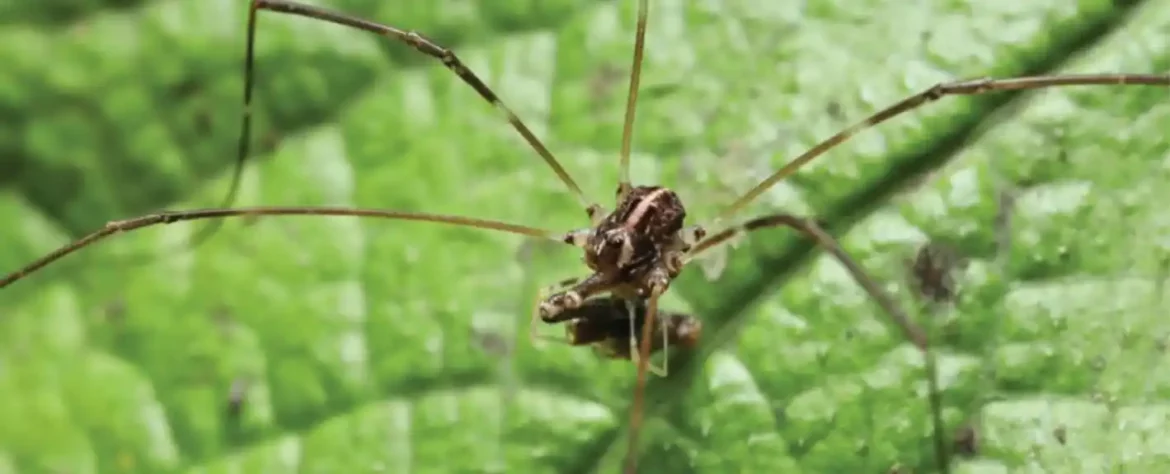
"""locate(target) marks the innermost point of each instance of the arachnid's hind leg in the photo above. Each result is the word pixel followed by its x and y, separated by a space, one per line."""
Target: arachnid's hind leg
pixel 811 229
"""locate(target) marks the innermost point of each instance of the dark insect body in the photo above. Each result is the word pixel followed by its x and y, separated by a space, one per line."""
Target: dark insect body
pixel 236 396
pixel 605 324
pixel 635 251
pixel 933 272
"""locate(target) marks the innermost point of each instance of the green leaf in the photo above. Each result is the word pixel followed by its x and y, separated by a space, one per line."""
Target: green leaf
pixel 367 346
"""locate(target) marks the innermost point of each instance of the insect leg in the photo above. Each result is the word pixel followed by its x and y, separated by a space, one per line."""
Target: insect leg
pixel 635 354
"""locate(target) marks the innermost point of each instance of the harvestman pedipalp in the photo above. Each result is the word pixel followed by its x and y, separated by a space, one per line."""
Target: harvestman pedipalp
pixel 636 250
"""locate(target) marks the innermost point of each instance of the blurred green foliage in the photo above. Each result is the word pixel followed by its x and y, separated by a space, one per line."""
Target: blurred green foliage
pixel 393 347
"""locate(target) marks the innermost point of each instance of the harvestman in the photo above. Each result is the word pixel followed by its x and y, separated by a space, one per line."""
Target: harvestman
pixel 636 250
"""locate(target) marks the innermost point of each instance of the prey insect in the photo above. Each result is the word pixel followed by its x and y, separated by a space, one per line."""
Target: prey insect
pixel 636 250
pixel 608 323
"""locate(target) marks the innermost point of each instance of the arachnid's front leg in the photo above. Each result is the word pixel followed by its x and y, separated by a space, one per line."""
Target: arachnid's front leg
pixel 533 333
pixel 551 308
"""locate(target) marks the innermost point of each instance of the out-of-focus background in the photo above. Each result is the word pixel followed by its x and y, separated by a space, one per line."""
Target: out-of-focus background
pixel 336 345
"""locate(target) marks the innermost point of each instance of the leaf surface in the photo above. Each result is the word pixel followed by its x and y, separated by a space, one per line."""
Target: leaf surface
pixel 377 346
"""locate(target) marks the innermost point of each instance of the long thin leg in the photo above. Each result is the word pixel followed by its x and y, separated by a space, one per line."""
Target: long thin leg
pixel 632 101
pixel 632 312
pixel 930 274
pixel 934 398
pixel 938 91
pixel 128 225
pixel 658 284
pixel 636 355
pixel 244 142
pixel 414 40
pixel 911 330
pixel 823 239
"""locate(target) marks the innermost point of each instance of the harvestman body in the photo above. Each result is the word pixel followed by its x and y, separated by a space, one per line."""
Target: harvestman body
pixel 635 251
